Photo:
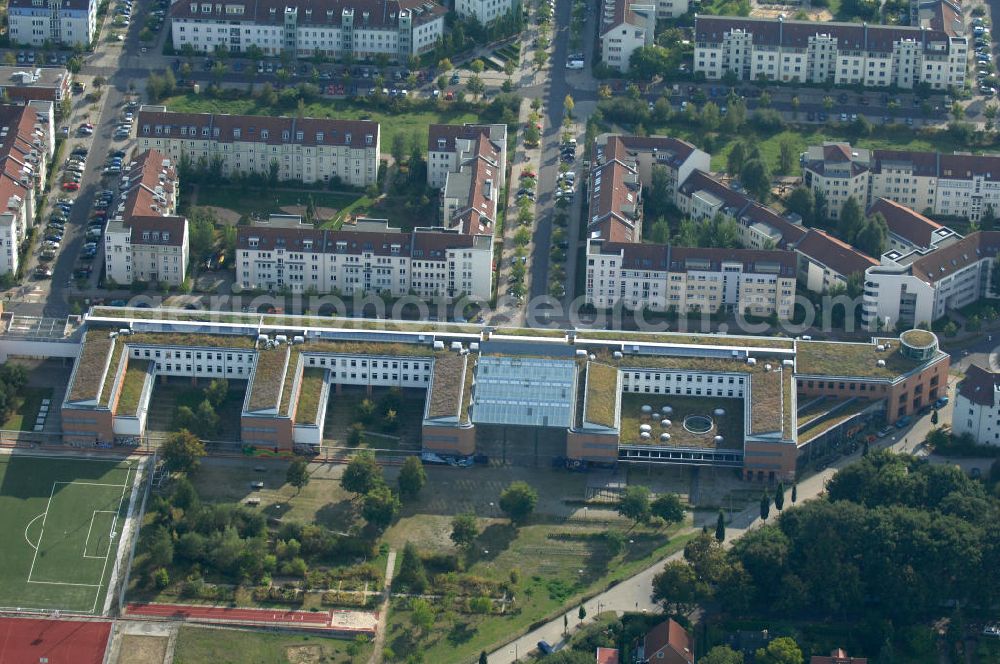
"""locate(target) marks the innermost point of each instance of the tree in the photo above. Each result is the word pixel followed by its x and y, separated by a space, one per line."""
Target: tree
pixel 721 655
pixel 412 478
pixel 411 569
pixel 873 236
pixel 464 530
pixel 475 85
pixel 802 202
pixel 298 474
pixel 756 178
pixel 720 527
pixel 518 501
pixel 362 473
pixel 656 197
pixel 477 66
pixel 668 506
pixel 380 506
pixel 161 578
pixel 482 657
pixel 782 650
pixel 779 496
pixel 444 64
pixel 160 548
pixel 217 391
pixel 851 220
pixel 398 150
pixel 786 156
pixel 765 506
pixel 634 504
pixel 582 613
pixel 934 417
pixel 795 493
pixel 421 614
pixel 677 588
pixel 734 160
pixel 181 451
pixel 207 420
pixel 569 105
pixel 648 62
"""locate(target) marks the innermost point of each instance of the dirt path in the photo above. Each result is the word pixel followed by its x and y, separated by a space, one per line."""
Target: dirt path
pixel 383 612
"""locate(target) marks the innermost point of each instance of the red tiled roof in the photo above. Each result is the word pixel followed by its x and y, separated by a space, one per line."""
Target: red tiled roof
pixel 614 186
pixel 835 254
pixel 450 133
pixel 673 640
pixel 979 386
pixel 838 656
pixel 607 656
pixel 673 150
pixel 167 231
pixel 906 223
pixel 946 261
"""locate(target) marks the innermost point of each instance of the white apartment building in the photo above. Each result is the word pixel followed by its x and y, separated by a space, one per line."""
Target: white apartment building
pixel 59 22
pixel 486 11
pixel 677 157
pixel 957 185
pixel 450 146
pixel 821 52
pixel 370 258
pixel 624 27
pixel 146 240
pixel 921 286
pixel 304 149
pixel 662 277
pixel 334 28
pixel 977 406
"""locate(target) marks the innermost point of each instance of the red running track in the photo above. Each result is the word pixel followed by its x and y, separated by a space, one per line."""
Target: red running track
pixel 31 640
pixel 194 612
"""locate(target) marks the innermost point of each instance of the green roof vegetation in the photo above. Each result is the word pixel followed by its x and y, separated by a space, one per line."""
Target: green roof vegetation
pixel 135 378
pixel 368 348
pixel 268 378
pixel 816 410
pixel 918 338
pixel 850 410
pixel 109 379
pixel 529 332
pixel 445 395
pixel 766 397
pixel 192 339
pixel 90 365
pixel 602 394
pixel 729 426
pixel 688 339
pixel 309 393
pixel 294 369
pixel 470 372
pixel 857 360
pixel 787 406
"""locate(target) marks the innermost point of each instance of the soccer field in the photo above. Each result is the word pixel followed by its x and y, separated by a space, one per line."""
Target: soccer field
pixel 61 519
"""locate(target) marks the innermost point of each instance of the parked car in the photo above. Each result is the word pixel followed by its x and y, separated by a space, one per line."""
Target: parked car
pixel 941 403
pixel 42 272
pixel 903 422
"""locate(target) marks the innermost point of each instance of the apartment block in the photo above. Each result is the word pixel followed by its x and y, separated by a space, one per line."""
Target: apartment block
pixel 486 11
pixel 624 27
pixel 956 185
pixel 146 240
pixel 359 29
pixel 370 257
pixel 829 52
pixel 665 278
pixel 921 286
pixel 26 145
pixel 977 406
pixel 60 22
pixel 678 158
pixel 303 149
pixel 25 83
pixel 449 146
pixel 473 186
pixel 823 261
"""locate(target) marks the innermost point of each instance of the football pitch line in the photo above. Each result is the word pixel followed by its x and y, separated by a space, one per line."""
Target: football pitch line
pixel 106 556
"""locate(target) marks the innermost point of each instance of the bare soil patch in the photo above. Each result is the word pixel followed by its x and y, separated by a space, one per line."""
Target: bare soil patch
pixel 304 654
pixel 137 649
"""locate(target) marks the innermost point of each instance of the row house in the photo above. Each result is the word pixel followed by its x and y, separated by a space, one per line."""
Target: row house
pixel 690 279
pixel 371 257
pixel 146 240
pixel 829 52
pixel 302 149
pixel 358 29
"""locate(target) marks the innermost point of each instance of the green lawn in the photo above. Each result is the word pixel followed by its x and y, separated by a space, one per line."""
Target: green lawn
pixel 249 200
pixel 197 645
pixel 62 520
pixel 408 123
pixel 558 565
pixel 23 417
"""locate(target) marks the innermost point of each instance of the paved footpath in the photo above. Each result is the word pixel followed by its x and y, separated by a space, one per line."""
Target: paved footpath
pixel 383 612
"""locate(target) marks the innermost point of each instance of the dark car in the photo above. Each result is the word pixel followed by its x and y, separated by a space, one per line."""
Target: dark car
pixel 545 648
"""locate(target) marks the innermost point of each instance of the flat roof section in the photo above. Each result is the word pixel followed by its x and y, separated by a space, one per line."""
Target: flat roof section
pixel 445 397
pixel 854 360
pixel 524 392
pixel 89 374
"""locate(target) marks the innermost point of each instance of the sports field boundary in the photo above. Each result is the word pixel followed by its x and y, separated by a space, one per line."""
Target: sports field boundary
pixel 292 620
pixel 129 532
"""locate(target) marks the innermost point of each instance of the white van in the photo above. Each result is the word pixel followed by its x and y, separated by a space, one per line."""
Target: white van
pixel 574 64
